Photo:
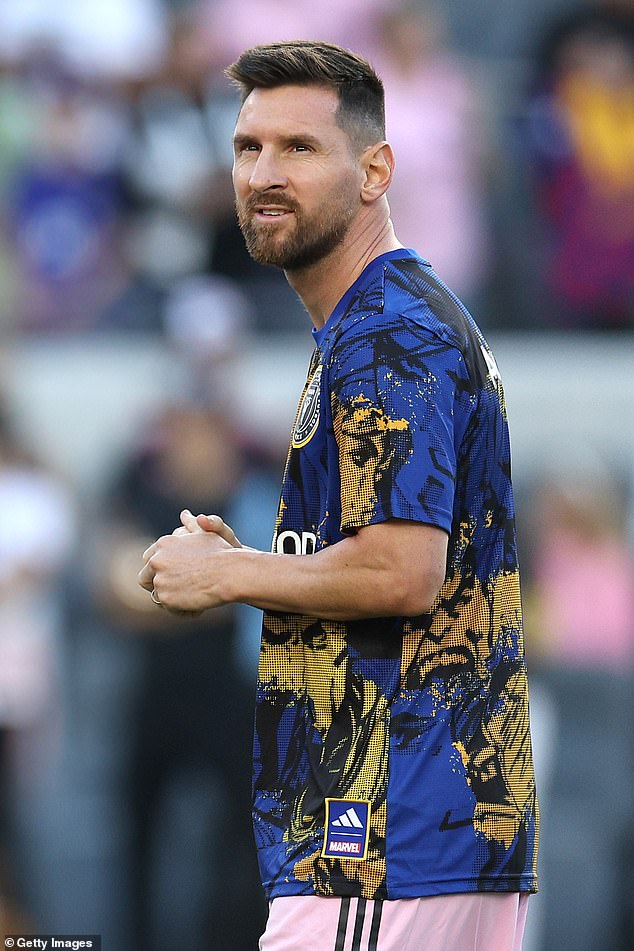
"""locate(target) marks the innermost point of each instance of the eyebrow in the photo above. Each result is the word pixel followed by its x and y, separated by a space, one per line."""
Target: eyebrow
pixel 241 139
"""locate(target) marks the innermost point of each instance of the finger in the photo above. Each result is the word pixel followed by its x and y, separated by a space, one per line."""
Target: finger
pixel 213 523
pixel 147 554
pixel 146 578
pixel 210 523
pixel 181 530
pixel 189 521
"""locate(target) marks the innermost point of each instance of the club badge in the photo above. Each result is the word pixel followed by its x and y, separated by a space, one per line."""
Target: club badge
pixel 308 415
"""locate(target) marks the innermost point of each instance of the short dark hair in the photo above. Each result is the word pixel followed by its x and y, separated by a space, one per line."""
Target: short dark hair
pixel 361 111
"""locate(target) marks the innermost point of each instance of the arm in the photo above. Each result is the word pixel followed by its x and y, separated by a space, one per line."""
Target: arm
pixel 389 569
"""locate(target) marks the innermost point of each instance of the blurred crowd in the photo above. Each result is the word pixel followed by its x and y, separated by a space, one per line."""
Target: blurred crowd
pixel 124 733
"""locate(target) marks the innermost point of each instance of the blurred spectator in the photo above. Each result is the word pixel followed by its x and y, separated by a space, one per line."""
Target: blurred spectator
pixel 193 876
pixel 584 574
pixel 64 202
pixel 581 139
pixel 172 159
pixel 37 531
pixel 436 124
pixel 181 228
pixel 580 635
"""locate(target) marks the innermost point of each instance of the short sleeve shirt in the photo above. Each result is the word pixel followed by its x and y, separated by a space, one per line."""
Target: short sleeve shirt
pixel 393 755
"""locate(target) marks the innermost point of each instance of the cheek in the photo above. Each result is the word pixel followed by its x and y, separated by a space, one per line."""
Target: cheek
pixel 240 178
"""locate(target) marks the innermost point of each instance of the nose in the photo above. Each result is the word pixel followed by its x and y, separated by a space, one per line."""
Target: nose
pixel 267 172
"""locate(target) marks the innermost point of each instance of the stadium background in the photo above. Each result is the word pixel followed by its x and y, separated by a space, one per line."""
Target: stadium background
pixel 147 364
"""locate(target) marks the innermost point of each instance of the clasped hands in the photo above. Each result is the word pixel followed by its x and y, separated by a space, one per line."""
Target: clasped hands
pixel 182 570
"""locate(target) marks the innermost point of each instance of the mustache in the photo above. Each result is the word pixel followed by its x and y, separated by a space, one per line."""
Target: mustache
pixel 256 201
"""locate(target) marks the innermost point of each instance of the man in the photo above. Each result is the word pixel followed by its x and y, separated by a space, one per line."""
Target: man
pixel 392 746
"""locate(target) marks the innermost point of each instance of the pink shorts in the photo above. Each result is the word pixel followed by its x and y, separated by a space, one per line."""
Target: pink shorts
pixel 473 922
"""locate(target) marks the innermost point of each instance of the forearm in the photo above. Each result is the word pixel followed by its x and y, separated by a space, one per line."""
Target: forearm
pixel 394 568
pixel 337 583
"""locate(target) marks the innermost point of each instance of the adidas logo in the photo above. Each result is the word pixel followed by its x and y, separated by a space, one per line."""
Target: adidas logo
pixel 347 829
pixel 349 820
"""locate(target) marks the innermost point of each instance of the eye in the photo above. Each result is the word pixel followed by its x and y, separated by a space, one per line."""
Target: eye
pixel 241 147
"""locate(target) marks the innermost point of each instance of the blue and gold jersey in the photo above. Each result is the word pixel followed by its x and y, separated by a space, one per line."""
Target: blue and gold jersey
pixel 393 755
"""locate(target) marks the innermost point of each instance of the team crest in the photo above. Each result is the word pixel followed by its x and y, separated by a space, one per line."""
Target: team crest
pixel 308 415
pixel 347 829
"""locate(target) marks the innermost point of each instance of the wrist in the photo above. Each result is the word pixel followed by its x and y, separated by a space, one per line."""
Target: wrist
pixel 231 585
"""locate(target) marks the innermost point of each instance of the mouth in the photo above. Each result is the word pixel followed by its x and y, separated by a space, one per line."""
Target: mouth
pixel 269 212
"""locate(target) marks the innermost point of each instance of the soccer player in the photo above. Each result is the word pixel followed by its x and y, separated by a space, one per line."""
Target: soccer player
pixel 394 796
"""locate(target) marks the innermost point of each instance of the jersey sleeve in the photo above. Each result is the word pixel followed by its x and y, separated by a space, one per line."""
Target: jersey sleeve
pixel 393 396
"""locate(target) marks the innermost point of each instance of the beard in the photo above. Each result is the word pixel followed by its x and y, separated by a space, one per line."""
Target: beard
pixel 312 238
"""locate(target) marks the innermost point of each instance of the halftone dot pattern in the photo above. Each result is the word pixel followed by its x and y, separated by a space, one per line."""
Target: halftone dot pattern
pixel 403 417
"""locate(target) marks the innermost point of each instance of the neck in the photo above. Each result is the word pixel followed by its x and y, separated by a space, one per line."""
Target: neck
pixel 323 284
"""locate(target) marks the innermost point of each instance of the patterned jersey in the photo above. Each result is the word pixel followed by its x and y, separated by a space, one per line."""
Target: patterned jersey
pixel 393 755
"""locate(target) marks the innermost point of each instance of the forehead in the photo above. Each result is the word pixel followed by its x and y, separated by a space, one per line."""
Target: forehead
pixel 289 111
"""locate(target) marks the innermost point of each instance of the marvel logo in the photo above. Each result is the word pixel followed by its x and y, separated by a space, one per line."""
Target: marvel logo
pixel 349 848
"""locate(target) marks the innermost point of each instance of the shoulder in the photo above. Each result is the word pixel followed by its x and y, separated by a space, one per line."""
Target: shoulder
pixel 404 310
pixel 392 358
pixel 404 342
pixel 430 304
pixel 404 295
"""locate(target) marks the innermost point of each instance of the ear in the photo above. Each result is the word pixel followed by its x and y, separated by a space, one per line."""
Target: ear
pixel 378 165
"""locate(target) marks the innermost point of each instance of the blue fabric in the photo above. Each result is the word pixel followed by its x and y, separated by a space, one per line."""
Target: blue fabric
pixel 425 718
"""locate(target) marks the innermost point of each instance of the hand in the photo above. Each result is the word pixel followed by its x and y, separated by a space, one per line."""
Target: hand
pixel 177 567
